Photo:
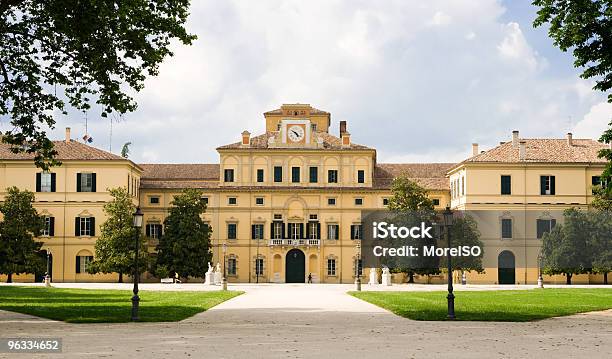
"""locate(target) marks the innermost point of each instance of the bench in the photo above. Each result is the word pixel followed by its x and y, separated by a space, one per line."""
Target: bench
pixel 167 281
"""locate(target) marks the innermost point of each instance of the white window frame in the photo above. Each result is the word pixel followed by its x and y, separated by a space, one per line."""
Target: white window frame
pixel 85 226
pixel 86 182
pixel 331 266
pixel 45 182
pixel 278 230
pixel 313 229
pixel 47 228
pixel 332 231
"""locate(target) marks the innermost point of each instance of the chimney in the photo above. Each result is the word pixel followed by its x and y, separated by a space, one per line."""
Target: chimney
pixel 67 134
pixel 474 149
pixel 246 138
pixel 342 127
pixel 522 150
pixel 346 139
pixel 569 138
pixel 515 138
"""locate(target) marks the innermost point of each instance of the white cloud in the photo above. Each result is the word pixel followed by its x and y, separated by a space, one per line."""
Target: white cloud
pixel 595 122
pixel 440 19
pixel 515 48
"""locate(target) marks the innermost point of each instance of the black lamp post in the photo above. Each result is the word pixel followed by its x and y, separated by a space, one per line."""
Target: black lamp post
pixel 47 275
pixel 357 276
pixel 224 281
pixel 137 224
pixel 448 223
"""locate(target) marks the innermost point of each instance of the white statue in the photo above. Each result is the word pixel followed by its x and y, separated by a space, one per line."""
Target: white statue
pixel 218 278
pixel 209 277
pixel 386 276
pixel 373 279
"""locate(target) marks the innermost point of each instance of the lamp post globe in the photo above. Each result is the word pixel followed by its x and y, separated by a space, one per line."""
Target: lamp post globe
pixel 137 224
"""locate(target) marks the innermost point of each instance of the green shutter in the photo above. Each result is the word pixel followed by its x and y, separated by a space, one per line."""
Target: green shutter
pixel 93 182
pixel 78 264
pixel 38 180
pixel 78 184
pixel 77 226
pixel 51 226
pixel 53 178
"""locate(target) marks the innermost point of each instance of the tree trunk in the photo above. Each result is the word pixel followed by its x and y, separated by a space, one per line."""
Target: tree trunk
pixel 120 278
pixel 568 278
pixel 411 277
pixel 605 277
pixel 9 278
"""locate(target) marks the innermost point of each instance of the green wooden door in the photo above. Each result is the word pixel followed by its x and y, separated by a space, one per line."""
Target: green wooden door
pixel 505 268
pixel 295 266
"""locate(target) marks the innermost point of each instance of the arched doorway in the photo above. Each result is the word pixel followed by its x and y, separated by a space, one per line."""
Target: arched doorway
pixel 505 268
pixel 295 264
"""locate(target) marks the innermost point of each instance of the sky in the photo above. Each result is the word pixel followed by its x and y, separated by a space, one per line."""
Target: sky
pixel 420 81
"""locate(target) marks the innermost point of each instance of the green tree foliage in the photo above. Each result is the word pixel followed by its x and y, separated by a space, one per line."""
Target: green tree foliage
pixel 21 223
pixel 579 245
pixel 115 249
pixel 412 204
pixel 56 53
pixel 465 232
pixel 585 26
pixel 185 246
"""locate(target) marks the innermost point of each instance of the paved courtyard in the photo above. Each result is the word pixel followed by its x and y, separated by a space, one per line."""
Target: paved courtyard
pixel 313 321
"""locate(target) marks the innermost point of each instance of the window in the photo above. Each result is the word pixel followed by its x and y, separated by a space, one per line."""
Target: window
pixel 313 127
pixel 314 174
pixel 231 231
pixel 278 126
pixel 356 230
pixel 205 200
pixel 544 226
pixel 332 231
pixel 82 262
pixel 260 175
pixel 259 201
pixel 278 174
pixel 86 182
pixel 331 266
pixel 278 216
pixel 49 228
pixel 385 201
pixel 277 230
pixel 295 174
pixel 331 201
pixel 506 232
pixel 84 226
pixel 153 230
pixel 259 266
pixel 597 181
pixel 506 184
pixel 154 200
pixel 436 201
pixel 332 176
pixel 232 201
pixel 295 230
pixel 359 266
pixel 45 182
pixel 360 176
pixel 313 230
pixel 358 201
pixel 231 266
pixel 463 186
pixel 257 231
pixel 228 175
pixel 547 185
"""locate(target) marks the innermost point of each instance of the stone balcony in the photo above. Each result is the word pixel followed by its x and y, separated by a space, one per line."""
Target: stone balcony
pixel 295 242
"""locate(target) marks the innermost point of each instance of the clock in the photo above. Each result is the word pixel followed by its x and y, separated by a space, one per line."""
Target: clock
pixel 295 133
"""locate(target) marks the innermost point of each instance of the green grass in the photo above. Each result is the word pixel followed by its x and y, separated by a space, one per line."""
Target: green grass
pixel 107 306
pixel 499 306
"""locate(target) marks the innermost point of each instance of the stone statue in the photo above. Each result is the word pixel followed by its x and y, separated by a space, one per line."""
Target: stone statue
pixel 373 279
pixel 209 277
pixel 386 276
pixel 218 275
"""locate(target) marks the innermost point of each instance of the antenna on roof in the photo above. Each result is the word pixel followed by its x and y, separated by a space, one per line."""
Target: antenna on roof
pixel 87 138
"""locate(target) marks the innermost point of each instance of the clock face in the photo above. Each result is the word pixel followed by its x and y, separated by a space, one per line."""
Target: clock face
pixel 295 133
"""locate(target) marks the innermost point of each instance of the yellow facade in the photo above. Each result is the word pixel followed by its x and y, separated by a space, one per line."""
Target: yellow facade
pixel 268 179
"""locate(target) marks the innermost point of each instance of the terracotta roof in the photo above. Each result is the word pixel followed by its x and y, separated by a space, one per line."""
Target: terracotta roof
pixel 184 172
pixel 72 150
pixel 432 176
pixel 545 150
pixel 330 142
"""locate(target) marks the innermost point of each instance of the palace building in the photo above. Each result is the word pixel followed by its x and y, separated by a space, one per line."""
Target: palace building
pixel 287 203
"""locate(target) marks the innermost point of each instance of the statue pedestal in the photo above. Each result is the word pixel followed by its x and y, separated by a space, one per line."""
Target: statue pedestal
pixel 386 279
pixel 209 278
pixel 218 278
pixel 373 280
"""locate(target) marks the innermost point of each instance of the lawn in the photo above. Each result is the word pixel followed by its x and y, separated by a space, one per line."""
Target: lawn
pixel 499 306
pixel 107 306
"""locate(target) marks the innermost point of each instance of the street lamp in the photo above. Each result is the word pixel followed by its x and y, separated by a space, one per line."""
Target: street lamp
pixel 448 223
pixel 357 276
pixel 540 280
pixel 137 224
pixel 47 276
pixel 224 281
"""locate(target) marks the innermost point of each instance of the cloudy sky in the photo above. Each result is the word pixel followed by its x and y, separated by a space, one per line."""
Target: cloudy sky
pixel 417 80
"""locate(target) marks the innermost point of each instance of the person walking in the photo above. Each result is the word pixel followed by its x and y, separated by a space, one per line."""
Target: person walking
pixel 309 277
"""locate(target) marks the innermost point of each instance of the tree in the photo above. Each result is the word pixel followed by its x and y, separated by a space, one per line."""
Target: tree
pixel 115 248
pixel 412 205
pixel 18 249
pixel 465 232
pixel 125 150
pixel 185 246
pixel 585 26
pixel 59 52
pixel 601 243
pixel 566 248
